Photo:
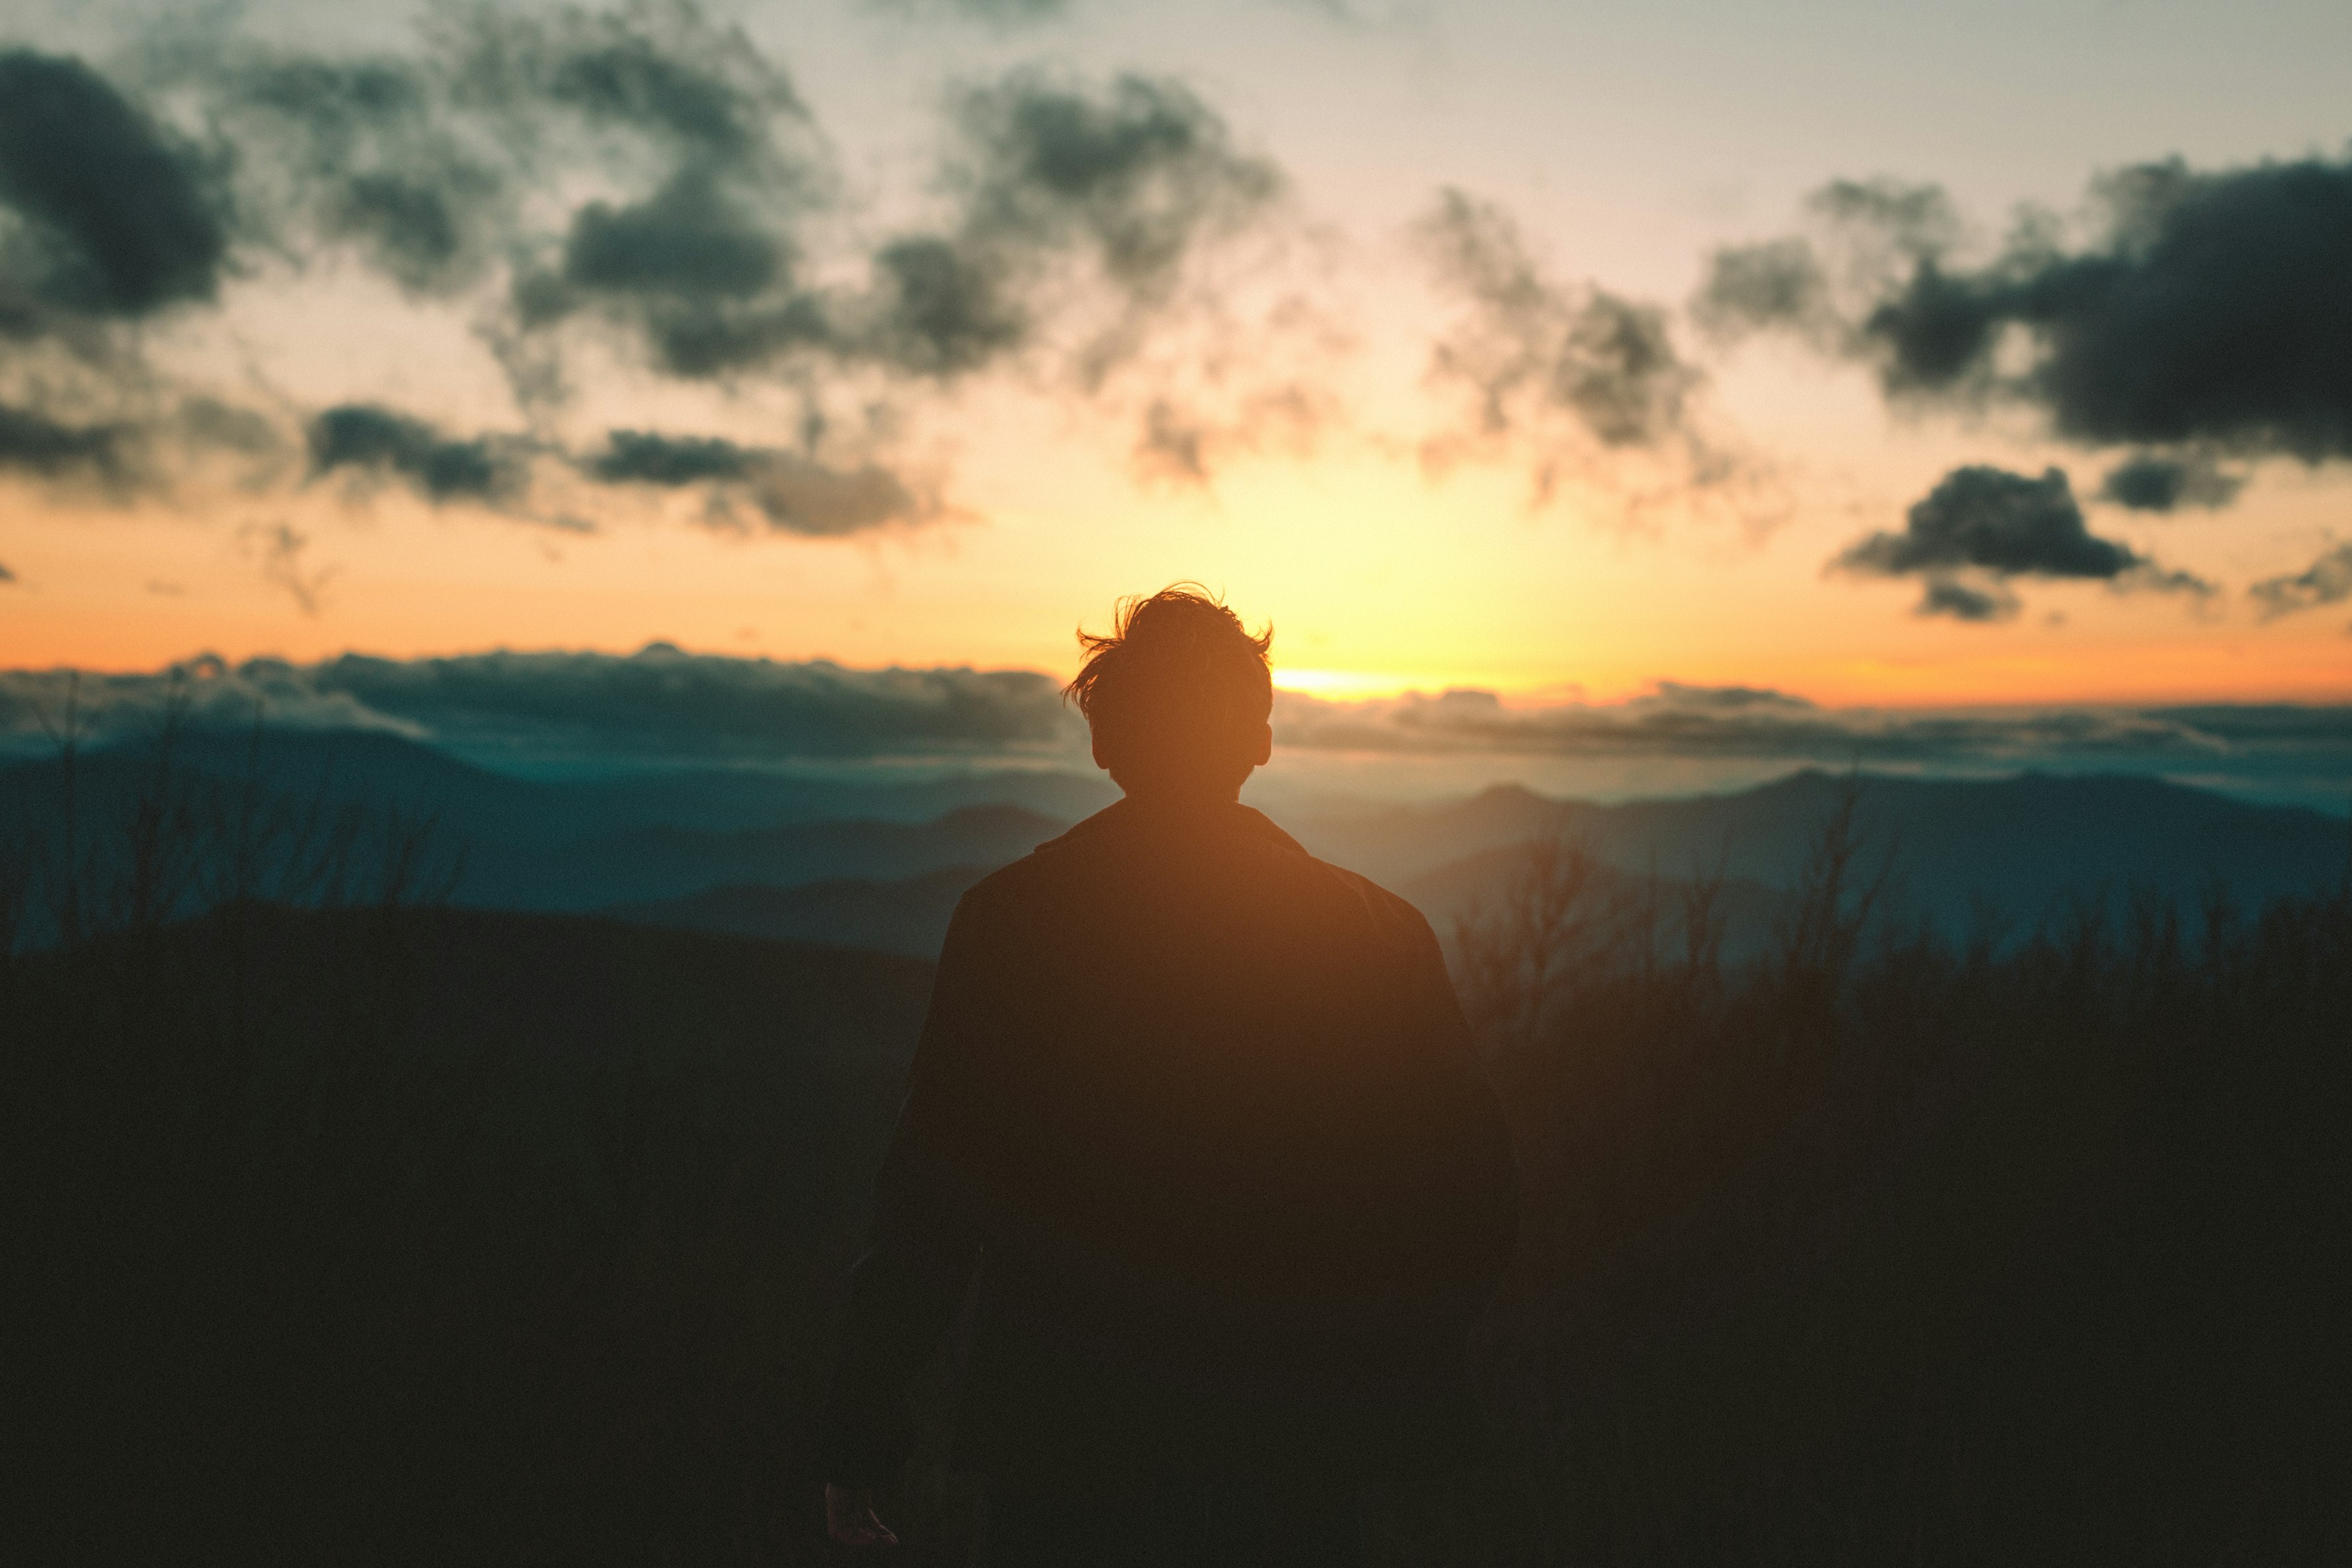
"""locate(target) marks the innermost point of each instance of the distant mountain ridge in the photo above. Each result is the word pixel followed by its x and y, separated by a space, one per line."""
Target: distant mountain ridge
pixel 2027 842
pixel 907 916
pixel 879 863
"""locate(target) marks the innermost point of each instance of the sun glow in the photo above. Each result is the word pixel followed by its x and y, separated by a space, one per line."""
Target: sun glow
pixel 1352 684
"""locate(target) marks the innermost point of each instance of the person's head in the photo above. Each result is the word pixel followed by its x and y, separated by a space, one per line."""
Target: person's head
pixel 1178 695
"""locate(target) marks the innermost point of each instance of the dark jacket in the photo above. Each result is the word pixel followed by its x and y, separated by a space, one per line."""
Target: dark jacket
pixel 1202 1112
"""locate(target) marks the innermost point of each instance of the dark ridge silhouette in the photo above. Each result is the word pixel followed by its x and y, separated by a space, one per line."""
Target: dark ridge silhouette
pixel 487 805
pixel 908 917
pixel 2026 843
pixel 665 862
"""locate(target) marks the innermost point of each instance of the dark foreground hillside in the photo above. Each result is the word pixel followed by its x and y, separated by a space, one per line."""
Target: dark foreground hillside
pixel 1881 1250
pixel 437 1237
pixel 385 1235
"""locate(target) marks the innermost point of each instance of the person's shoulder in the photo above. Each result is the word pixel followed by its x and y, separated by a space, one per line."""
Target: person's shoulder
pixel 1007 882
pixel 1390 910
pixel 1012 884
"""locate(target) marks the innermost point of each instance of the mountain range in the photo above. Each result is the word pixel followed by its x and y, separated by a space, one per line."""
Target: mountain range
pixel 877 862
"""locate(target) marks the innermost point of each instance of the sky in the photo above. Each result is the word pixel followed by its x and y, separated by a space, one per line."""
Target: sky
pixel 1878 360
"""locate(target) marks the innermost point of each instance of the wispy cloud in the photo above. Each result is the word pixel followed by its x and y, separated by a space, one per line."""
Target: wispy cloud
pixel 282 549
pixel 2327 581
pixel 1558 375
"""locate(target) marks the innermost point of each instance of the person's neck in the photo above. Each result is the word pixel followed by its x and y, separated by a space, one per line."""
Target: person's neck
pixel 1183 800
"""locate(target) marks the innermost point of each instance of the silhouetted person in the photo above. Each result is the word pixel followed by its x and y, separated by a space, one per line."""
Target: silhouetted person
pixel 1201 1113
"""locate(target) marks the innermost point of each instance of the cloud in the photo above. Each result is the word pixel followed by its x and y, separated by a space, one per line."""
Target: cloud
pixel 659 700
pixel 644 182
pixel 362 154
pixel 1569 377
pixel 6 575
pixel 376 440
pixel 2200 308
pixel 1778 283
pixel 2007 523
pixel 2327 581
pixel 1532 349
pixel 702 265
pixel 281 549
pixel 2245 742
pixel 938 309
pixel 996 13
pixel 1063 194
pixel 1942 594
pixel 1988 520
pixel 32 443
pixel 1136 175
pixel 794 494
pixel 2147 482
pixel 112 218
pixel 1184 442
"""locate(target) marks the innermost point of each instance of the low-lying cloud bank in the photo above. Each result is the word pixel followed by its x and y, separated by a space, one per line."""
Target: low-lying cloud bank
pixel 663 705
pixel 656 704
pixel 1757 723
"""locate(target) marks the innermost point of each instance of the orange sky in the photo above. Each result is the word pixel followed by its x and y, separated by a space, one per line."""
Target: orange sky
pixel 1381 570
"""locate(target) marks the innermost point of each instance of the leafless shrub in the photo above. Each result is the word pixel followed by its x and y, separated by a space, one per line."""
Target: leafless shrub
pixel 1834 1255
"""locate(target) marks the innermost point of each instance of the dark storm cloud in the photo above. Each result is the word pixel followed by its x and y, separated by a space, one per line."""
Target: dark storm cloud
pixel 2209 309
pixel 114 219
pixel 792 493
pixel 373 440
pixel 2327 581
pixel 1986 521
pixel 2147 482
pixel 32 443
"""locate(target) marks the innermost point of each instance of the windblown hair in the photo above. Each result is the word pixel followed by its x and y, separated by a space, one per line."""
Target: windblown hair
pixel 1177 692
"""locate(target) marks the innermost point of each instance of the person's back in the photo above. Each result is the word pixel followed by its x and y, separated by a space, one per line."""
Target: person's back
pixel 1201 1111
